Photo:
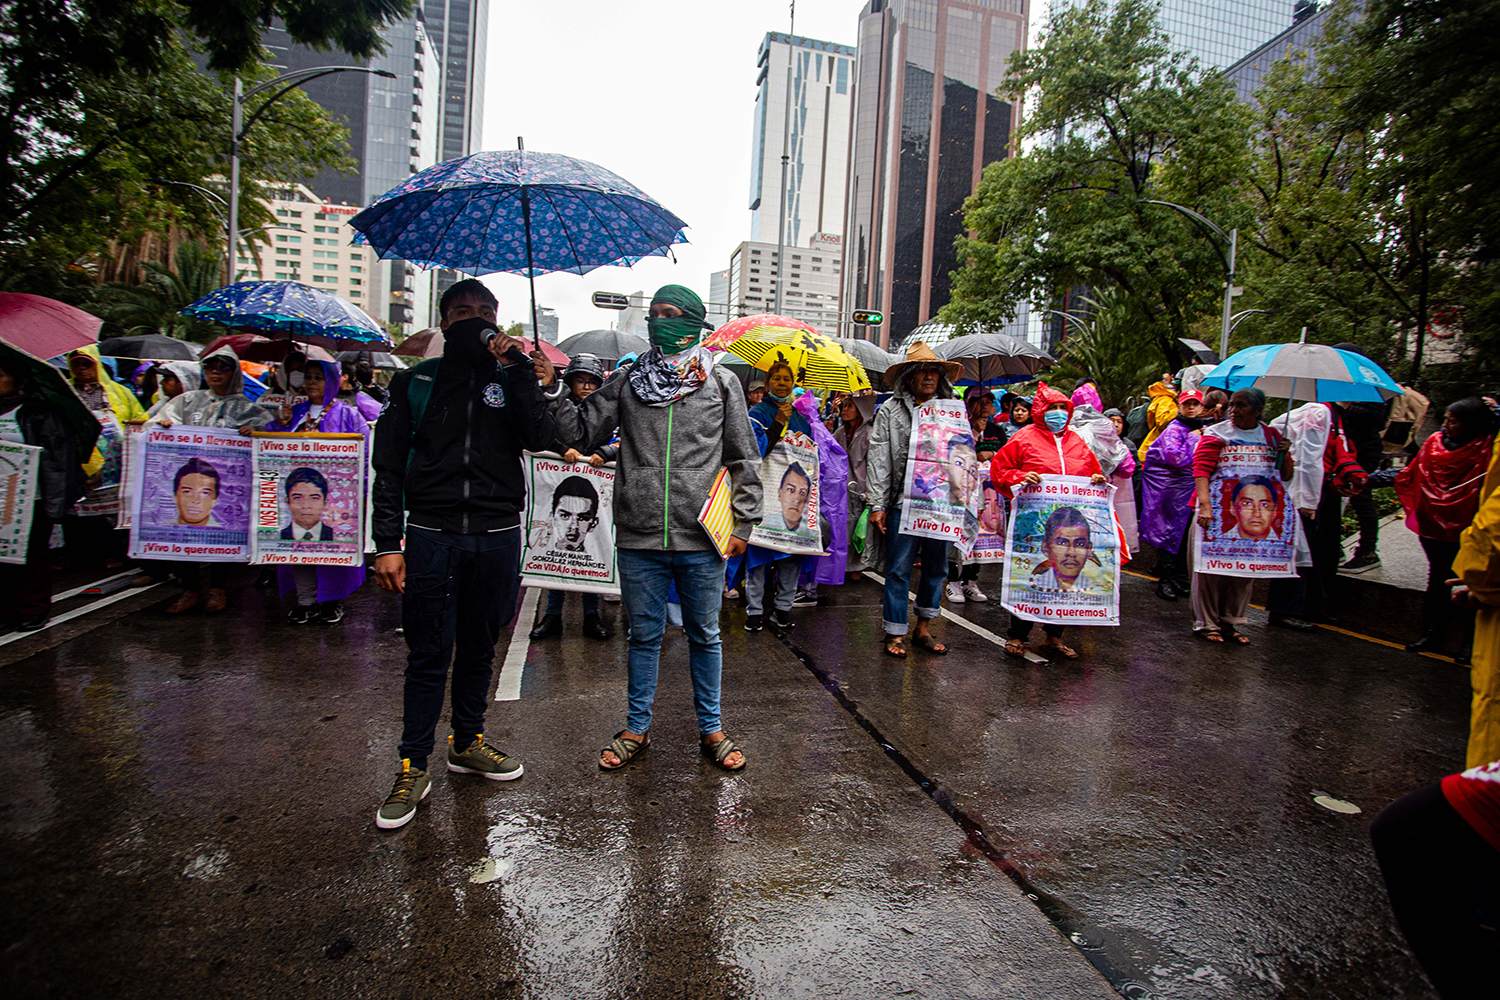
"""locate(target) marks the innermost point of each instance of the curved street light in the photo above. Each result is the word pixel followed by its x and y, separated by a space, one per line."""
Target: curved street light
pixel 1239 316
pixel 239 127
pixel 1232 238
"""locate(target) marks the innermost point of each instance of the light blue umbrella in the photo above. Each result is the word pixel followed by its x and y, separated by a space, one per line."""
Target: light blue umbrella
pixel 1310 372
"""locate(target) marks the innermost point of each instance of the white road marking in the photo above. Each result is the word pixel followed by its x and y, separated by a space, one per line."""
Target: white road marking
pixel 80 612
pixel 963 622
pixel 509 688
pixel 59 598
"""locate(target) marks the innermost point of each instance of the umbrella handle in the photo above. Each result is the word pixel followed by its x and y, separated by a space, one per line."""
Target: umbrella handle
pixel 536 328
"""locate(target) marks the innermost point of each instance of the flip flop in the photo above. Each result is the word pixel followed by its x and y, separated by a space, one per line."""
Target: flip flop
pixel 931 644
pixel 894 646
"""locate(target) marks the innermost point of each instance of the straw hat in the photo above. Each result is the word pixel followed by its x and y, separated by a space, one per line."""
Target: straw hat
pixel 919 354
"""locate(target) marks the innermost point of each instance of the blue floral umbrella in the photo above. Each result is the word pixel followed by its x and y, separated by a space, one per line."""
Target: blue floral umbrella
pixel 292 310
pixel 520 212
pixel 1312 372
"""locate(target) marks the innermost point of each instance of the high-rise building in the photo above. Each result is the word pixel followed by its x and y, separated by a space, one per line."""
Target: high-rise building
pixel 718 298
pixel 458 30
pixel 926 122
pixel 822 91
pixel 1308 26
pixel 312 242
pixel 812 284
pixel 546 318
pixel 393 133
pixel 1219 32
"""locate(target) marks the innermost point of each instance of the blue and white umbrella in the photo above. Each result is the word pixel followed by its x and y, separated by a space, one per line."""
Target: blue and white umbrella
pixel 520 212
pixel 1310 372
pixel 291 309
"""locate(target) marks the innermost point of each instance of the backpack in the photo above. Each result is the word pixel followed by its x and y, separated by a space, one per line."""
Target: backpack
pixel 1341 469
pixel 419 391
pixel 1135 424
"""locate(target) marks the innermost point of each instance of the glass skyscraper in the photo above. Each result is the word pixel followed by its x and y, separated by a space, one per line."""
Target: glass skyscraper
pixel 1218 33
pixel 926 122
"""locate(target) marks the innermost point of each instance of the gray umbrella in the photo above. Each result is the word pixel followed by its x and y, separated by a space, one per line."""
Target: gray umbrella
pixel 609 345
pixel 377 359
pixel 994 358
pixel 869 354
pixel 149 347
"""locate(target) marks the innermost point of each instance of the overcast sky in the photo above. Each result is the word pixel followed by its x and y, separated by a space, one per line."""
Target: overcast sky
pixel 660 92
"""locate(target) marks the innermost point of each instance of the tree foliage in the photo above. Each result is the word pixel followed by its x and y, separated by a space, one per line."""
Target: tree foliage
pixel 155 305
pixel 1103 343
pixel 1115 119
pixel 103 104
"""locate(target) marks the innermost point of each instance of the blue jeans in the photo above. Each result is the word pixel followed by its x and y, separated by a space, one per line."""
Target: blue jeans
pixel 460 590
pixel 899 552
pixel 644 577
pixel 555 600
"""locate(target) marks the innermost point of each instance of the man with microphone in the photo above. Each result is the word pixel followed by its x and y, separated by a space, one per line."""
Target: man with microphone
pixel 449 478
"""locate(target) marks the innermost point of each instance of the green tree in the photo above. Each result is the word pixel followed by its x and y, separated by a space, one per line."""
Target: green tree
pixel 1102 342
pixel 1116 118
pixel 155 305
pixel 102 101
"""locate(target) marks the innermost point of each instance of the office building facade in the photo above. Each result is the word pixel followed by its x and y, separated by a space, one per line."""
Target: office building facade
pixel 822 88
pixel 1310 21
pixel 312 242
pixel 812 287
pixel 926 122
pixel 458 30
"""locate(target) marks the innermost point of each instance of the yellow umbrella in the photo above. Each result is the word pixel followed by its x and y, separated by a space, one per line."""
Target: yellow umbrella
pixel 817 361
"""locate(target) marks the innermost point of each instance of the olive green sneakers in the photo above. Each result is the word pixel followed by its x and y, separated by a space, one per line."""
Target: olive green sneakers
pixel 481 758
pixel 400 806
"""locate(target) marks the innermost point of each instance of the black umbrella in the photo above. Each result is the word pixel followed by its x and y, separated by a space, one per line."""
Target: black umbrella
pixel 377 359
pixel 46 382
pixel 149 347
pixel 609 345
pixel 870 355
pixel 994 358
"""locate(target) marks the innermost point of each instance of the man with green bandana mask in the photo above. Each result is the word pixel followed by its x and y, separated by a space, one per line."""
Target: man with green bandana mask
pixel 681 420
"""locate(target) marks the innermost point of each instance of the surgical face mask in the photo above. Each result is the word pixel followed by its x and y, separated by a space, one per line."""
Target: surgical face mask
pixel 1056 420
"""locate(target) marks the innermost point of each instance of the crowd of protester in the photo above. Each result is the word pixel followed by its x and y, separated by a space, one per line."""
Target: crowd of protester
pixel 448 495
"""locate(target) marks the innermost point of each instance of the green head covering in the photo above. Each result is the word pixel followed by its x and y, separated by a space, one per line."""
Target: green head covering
pixel 679 333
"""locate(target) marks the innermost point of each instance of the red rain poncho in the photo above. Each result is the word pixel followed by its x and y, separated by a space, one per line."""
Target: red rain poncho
pixel 1440 488
pixel 1034 448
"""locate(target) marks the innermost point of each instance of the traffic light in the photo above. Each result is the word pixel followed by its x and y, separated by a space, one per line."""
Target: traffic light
pixel 866 317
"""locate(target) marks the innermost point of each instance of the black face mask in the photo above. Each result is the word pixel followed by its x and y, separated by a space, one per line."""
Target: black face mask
pixel 1196 423
pixel 467 340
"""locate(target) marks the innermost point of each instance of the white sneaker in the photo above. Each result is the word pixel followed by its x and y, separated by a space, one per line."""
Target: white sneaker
pixel 955 593
pixel 973 593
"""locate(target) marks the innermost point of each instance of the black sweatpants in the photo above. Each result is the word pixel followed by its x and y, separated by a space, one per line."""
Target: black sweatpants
pixel 1444 884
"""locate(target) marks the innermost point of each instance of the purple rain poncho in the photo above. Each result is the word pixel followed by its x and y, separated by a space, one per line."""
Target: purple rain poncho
pixel 334 582
pixel 1167 487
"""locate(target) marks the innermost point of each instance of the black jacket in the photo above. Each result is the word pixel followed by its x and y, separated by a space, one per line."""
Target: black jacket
pixel 465 474
pixel 61 477
pixel 1364 423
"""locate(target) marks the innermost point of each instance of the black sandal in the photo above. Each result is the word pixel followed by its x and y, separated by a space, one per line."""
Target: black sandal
pixel 716 752
pixel 624 749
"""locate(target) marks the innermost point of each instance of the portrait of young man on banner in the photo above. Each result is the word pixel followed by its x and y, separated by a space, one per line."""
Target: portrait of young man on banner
pixel 789 477
pixel 190 495
pixel 1062 561
pixel 942 475
pixel 570 526
pixel 309 500
pixel 1253 530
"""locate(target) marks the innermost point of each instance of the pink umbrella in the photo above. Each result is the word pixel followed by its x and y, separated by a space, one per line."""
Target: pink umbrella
pixel 43 327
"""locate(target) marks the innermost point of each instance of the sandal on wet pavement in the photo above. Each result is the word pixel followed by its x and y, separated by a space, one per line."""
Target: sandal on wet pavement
pixel 1015 647
pixel 1066 652
pixel 1234 636
pixel 894 646
pixel 930 643
pixel 1209 635
pixel 624 748
pixel 717 751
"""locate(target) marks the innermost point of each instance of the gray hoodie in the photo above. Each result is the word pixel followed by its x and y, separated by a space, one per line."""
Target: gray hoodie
pixel 206 408
pixel 669 457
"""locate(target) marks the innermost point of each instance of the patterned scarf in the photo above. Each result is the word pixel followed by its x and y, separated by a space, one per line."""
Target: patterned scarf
pixel 660 380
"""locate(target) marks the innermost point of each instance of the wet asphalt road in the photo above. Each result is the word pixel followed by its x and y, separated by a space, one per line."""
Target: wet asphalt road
pixel 190 811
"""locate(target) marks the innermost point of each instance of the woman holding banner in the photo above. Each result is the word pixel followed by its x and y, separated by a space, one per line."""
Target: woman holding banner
pixel 320 590
pixel 921 377
pixel 772 418
pixel 1220 600
pixel 1045 447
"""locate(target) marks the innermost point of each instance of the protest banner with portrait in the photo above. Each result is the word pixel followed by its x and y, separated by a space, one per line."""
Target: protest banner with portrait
pixel 1062 553
pixel 789 520
pixel 191 495
pixel 989 543
pixel 1253 532
pixel 942 475
pixel 570 526
pixel 309 500
pixel 20 466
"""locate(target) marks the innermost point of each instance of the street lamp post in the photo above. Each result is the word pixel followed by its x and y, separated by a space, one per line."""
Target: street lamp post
pixel 1232 238
pixel 238 128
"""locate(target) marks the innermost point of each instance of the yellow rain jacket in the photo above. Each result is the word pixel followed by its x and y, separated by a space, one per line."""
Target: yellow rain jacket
pixel 1478 566
pixel 122 401
pixel 1161 412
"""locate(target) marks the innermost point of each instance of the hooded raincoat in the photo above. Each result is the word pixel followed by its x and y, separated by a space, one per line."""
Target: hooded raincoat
pixel 1159 414
pixel 187 373
pixel 335 417
pixel 206 408
pixel 1478 566
pixel 1440 488
pixel 1034 448
pixel 1167 489
pixel 107 461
